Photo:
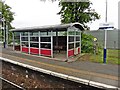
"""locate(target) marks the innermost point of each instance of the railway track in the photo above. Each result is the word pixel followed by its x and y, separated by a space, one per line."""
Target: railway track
pixel 8 84
pixel 29 78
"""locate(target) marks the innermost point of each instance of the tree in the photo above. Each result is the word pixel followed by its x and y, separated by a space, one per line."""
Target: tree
pixel 8 16
pixel 77 12
pixel 83 13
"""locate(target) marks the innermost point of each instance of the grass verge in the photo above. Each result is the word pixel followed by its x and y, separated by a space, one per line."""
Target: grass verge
pixel 112 57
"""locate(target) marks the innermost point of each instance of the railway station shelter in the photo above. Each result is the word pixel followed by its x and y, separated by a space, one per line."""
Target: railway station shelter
pixel 55 41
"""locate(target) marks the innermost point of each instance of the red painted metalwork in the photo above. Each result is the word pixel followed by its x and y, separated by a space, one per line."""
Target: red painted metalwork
pixel 78 50
pixel 25 49
pixel 70 52
pixel 17 48
pixel 45 52
pixel 34 50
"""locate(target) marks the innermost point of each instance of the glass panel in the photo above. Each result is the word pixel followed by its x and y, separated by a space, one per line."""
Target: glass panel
pixel 24 38
pixel 34 33
pixel 77 38
pixel 46 45
pixel 17 34
pixel 45 33
pixel 77 44
pixel 54 33
pixel 62 33
pixel 71 33
pixel 77 33
pixel 71 39
pixel 24 33
pixel 36 45
pixel 17 37
pixel 45 39
pixel 36 39
pixel 71 46
pixel 25 44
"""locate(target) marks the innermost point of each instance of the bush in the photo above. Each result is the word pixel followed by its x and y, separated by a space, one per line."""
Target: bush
pixel 87 43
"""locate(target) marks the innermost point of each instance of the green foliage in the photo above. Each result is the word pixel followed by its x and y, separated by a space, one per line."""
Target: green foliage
pixel 0 6
pixel 83 13
pixel 112 57
pixel 77 12
pixel 7 14
pixel 87 43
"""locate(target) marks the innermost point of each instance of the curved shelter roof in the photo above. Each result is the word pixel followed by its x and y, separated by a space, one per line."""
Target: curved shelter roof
pixel 61 27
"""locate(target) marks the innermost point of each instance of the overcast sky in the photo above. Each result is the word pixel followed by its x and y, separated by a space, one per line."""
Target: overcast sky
pixel 36 13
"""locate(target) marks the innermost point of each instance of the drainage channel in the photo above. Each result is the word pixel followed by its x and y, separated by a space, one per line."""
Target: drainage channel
pixel 28 78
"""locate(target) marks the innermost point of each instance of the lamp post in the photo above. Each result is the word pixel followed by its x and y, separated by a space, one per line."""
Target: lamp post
pixel 5 41
pixel 4 30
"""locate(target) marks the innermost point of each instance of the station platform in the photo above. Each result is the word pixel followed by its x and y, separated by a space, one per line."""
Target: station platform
pixel 96 74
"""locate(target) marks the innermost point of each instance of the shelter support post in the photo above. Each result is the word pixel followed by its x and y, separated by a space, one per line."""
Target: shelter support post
pixel 29 42
pixel 39 44
pixel 52 44
pixel 20 43
pixel 67 44
pixel 13 40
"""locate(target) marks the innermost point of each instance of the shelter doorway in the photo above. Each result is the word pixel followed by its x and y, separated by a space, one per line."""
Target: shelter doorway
pixel 59 44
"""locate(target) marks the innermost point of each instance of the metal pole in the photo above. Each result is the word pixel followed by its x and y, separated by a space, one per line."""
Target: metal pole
pixel 39 44
pixel 80 40
pixel 52 44
pixel 67 44
pixel 106 11
pixel 74 41
pixel 2 31
pixel 5 35
pixel 20 43
pixel 105 49
pixel 29 42
pixel 13 41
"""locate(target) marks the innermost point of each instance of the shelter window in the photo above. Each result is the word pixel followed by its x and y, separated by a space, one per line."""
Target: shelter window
pixel 36 45
pixel 45 39
pixel 71 33
pixel 54 33
pixel 24 33
pixel 77 38
pixel 24 38
pixel 25 44
pixel 46 45
pixel 77 32
pixel 71 39
pixel 77 44
pixel 71 46
pixel 36 39
pixel 33 33
pixel 45 33
pixel 62 33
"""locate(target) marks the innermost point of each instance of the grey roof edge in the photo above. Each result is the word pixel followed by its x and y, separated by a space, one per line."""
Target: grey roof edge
pixel 59 26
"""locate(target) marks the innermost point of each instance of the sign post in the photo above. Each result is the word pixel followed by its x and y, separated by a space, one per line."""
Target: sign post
pixel 105 48
pixel 105 27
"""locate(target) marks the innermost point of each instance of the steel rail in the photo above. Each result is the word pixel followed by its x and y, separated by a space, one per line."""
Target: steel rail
pixel 17 86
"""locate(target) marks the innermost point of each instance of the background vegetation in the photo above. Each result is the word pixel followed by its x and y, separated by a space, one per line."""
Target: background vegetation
pixel 8 16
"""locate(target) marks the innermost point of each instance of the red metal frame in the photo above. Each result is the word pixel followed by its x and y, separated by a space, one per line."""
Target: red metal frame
pixel 34 50
pixel 25 49
pixel 70 52
pixel 45 52
pixel 78 50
